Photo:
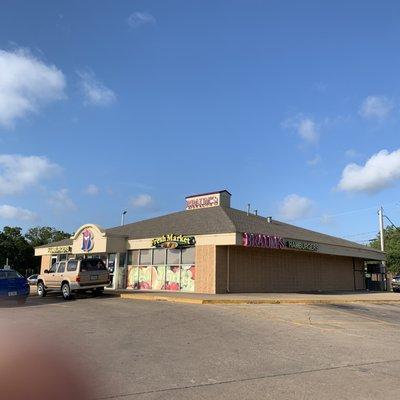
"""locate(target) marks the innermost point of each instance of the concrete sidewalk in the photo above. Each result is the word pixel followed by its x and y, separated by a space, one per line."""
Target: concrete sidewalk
pixel 263 298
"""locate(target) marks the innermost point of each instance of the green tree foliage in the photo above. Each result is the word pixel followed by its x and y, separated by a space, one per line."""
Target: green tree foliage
pixel 16 248
pixel 19 248
pixel 40 235
pixel 392 248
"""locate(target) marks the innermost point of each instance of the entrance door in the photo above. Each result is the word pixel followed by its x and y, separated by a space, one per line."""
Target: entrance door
pixel 111 268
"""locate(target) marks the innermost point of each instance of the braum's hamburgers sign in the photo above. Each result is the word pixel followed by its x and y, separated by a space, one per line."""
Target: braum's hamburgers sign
pixel 276 242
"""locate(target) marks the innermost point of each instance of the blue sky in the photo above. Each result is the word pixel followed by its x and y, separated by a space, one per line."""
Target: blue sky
pixel 106 106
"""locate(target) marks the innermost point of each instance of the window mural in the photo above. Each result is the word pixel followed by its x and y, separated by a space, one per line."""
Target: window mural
pixel 162 277
pixel 161 269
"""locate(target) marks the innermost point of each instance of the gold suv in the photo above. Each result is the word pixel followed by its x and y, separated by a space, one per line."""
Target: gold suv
pixel 72 276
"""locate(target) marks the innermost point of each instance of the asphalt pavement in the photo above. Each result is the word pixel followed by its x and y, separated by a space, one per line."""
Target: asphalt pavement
pixel 127 349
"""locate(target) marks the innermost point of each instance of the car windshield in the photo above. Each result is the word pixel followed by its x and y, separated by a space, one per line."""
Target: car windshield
pixel 93 264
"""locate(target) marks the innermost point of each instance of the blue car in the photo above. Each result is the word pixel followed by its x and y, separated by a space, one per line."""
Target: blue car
pixel 13 286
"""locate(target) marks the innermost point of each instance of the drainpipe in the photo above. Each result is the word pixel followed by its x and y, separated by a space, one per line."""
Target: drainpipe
pixel 227 271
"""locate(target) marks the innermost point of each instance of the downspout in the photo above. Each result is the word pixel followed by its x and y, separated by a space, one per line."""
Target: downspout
pixel 227 271
pixel 354 274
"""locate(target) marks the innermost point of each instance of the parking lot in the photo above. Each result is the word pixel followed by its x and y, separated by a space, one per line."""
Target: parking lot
pixel 129 349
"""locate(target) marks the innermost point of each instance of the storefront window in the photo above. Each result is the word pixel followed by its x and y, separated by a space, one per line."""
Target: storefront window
pixel 158 256
pixel 145 257
pixel 161 269
pixel 188 255
pixel 133 257
pixel 122 260
pixel 173 256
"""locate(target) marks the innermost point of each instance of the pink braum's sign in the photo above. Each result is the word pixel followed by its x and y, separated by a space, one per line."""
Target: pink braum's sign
pixel 265 241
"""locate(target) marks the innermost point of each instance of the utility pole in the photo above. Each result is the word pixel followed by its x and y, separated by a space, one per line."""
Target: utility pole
pixel 382 235
pixel 381 228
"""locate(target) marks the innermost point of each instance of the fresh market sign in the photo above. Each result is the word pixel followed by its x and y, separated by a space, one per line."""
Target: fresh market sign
pixel 173 241
pixel 276 242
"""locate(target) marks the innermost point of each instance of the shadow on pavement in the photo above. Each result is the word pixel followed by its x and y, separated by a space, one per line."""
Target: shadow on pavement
pixel 51 298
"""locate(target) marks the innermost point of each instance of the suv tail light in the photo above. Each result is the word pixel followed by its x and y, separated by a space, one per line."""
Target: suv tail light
pixel 78 278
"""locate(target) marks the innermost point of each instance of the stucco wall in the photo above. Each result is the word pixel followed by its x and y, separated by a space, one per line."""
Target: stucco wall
pixel 270 270
pixel 45 263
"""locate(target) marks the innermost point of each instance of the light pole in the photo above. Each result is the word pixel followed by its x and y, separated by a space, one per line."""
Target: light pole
pixel 382 237
pixel 381 228
pixel 123 217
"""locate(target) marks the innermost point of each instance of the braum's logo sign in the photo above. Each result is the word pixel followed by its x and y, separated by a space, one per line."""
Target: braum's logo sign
pixel 173 241
pixel 87 240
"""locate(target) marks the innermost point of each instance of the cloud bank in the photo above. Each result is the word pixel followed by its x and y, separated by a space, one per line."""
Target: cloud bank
pixel 26 85
pixel 18 173
pixel 380 171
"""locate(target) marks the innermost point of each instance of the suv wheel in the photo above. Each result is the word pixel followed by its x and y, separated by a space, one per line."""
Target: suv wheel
pixel 66 291
pixel 41 291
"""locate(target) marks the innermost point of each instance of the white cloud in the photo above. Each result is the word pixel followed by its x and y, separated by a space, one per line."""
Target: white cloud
pixel 379 172
pixel 16 213
pixel 376 107
pixel 305 127
pixel 351 153
pixel 60 200
pixel 142 201
pixel 92 190
pixel 17 172
pixel 314 161
pixel 26 84
pixel 140 18
pixel 294 206
pixel 326 219
pixel 95 92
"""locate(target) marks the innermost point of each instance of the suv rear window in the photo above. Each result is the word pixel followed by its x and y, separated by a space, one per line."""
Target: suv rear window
pixel 93 264
pixel 72 264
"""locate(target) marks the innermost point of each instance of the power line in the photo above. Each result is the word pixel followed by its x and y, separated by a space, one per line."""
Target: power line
pixel 347 212
pixel 359 234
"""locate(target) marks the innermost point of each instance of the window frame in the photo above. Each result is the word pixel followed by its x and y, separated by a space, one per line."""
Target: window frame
pixel 76 265
pixel 61 264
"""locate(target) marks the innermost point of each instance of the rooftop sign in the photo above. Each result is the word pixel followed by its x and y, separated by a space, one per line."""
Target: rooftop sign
pixel 276 242
pixel 205 200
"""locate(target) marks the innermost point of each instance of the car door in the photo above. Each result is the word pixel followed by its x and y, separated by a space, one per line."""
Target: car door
pixel 59 275
pixel 51 276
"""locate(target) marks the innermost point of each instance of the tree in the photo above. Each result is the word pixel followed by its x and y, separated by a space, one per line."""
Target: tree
pixel 391 236
pixel 15 248
pixel 40 235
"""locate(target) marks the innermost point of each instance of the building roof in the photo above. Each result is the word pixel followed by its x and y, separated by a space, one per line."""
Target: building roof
pixel 205 194
pixel 217 220
pixel 63 242
pixel 214 220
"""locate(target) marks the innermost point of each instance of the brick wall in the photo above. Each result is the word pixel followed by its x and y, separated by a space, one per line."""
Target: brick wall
pixel 267 270
pixel 205 269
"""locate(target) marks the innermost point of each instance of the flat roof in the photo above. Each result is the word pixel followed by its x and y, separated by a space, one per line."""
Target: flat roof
pixel 205 194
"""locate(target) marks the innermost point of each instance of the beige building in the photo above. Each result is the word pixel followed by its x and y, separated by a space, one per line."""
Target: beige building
pixel 213 248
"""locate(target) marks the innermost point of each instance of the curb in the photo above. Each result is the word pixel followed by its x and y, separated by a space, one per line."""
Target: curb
pixel 250 301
